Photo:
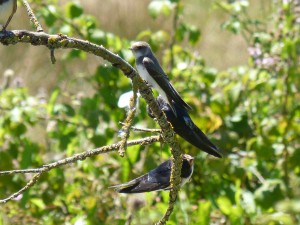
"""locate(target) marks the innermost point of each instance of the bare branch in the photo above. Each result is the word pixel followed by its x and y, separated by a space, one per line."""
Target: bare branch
pixel 32 17
pixel 26 187
pixel 128 122
pixel 86 154
pixel 72 159
pixel 143 129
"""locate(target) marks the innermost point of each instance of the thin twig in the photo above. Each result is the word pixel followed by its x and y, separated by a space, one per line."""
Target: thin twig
pixel 32 17
pixel 52 56
pixel 143 129
pixel 84 155
pixel 9 172
pixel 26 187
pixel 173 36
pixel 128 121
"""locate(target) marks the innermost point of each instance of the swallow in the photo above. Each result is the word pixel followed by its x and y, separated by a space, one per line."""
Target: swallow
pixel 150 70
pixel 183 125
pixel 7 10
pixel 158 178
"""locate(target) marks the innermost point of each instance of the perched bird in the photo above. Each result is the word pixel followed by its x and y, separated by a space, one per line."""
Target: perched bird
pixel 7 10
pixel 158 178
pixel 150 70
pixel 185 127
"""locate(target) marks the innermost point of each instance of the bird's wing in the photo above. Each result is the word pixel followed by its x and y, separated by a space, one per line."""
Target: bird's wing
pixel 156 179
pixel 162 79
pixel 185 127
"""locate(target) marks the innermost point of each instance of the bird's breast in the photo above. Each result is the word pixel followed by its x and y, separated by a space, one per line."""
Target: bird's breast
pixel 147 77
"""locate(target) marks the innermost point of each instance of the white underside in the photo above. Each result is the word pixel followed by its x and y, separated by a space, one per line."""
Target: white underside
pixel 5 11
pixel 146 76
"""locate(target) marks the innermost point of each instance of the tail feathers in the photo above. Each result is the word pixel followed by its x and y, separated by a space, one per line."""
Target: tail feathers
pixel 177 99
pixel 204 143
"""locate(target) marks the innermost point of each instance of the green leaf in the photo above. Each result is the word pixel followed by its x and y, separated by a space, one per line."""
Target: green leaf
pixel 224 205
pixel 54 95
pixel 49 14
pixel 194 35
pixel 38 202
pixel 73 10
pixel 204 210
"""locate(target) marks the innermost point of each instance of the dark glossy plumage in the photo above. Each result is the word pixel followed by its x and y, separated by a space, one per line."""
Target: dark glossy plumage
pixel 158 178
pixel 184 126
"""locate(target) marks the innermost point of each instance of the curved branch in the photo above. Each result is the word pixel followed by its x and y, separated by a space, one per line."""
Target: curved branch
pixel 62 41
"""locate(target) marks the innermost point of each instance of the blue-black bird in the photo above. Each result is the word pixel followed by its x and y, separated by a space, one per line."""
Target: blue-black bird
pixel 7 10
pixel 158 178
pixel 150 70
pixel 184 126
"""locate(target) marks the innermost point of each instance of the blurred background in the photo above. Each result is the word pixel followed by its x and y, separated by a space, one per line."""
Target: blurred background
pixel 235 62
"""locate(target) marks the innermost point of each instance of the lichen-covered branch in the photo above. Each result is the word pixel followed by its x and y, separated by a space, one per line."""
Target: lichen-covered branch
pixel 72 159
pixel 143 129
pixel 32 17
pixel 62 41
pixel 128 121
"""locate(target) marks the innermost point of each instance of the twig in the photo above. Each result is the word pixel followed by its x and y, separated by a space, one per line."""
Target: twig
pixel 173 36
pixel 32 17
pixel 69 160
pixel 128 121
pixel 26 187
pixel 9 172
pixel 84 155
pixel 52 56
pixel 143 129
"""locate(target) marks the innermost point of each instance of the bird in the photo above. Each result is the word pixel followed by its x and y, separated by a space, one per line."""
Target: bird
pixel 150 70
pixel 186 128
pixel 158 178
pixel 7 10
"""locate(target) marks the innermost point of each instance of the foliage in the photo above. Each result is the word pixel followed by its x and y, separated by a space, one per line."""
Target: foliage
pixel 250 111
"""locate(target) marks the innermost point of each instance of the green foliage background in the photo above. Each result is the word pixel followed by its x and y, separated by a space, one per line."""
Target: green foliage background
pixel 250 111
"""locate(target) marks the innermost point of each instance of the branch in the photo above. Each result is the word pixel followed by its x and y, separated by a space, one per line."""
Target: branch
pixel 128 121
pixel 69 160
pixel 32 17
pixel 62 41
pixel 143 129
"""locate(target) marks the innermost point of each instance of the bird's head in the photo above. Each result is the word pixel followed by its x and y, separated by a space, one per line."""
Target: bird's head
pixel 189 159
pixel 140 48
